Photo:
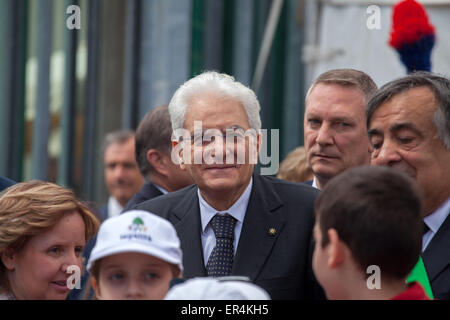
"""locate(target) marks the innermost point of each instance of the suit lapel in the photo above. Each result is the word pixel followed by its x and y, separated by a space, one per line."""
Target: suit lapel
pixel 188 226
pixel 104 212
pixel 260 229
pixel 437 254
pixel 153 191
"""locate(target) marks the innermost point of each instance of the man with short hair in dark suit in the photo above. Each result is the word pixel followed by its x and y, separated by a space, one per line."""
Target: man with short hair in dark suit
pixel 122 177
pixel 234 221
pixel 335 123
pixel 409 128
pixel 153 147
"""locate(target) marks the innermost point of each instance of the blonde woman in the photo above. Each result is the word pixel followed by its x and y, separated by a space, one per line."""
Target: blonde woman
pixel 43 231
pixel 295 167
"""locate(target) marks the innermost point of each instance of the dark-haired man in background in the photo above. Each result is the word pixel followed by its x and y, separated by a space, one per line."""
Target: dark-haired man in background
pixel 409 128
pixel 122 176
pixel 153 155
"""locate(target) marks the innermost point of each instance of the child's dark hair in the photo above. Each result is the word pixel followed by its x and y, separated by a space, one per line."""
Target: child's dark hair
pixel 377 212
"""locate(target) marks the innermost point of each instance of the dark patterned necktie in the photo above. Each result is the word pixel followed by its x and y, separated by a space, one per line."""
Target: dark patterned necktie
pixel 221 259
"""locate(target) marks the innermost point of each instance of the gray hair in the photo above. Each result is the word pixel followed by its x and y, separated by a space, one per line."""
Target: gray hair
pixel 438 84
pixel 220 83
pixel 119 137
pixel 347 78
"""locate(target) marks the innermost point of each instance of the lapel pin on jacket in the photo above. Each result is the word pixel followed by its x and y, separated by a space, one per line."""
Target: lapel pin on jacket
pixel 272 231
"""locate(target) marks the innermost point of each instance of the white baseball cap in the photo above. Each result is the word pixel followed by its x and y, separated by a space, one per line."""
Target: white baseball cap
pixel 224 288
pixel 137 231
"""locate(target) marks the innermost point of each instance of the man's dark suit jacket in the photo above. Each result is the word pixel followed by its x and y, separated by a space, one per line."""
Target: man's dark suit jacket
pixel 280 262
pixel 5 183
pixel 309 182
pixel 102 213
pixel 148 191
pixel 436 259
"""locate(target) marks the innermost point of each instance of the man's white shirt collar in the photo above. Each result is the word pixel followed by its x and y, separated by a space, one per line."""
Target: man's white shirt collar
pixel 114 207
pixel 314 184
pixel 434 222
pixel 164 191
pixel 237 210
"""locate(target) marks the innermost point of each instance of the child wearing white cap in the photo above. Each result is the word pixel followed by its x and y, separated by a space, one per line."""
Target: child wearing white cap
pixel 221 288
pixel 136 256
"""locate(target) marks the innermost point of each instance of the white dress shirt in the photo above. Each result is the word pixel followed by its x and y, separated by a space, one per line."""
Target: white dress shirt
pixel 314 184
pixel 434 222
pixel 114 207
pixel 237 211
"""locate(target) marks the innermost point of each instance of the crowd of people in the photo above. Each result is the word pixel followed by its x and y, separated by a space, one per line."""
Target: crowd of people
pixel 354 214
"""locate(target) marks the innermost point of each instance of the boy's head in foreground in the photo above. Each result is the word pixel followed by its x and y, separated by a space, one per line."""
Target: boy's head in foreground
pixel 219 288
pixel 136 256
pixel 367 216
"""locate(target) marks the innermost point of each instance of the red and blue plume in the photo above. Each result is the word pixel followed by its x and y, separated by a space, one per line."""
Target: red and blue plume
pixel 412 35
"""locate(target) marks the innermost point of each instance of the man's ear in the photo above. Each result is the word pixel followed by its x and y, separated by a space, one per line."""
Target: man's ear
pixel 9 259
pixel 96 288
pixel 335 249
pixel 156 159
pixel 177 152
pixel 259 142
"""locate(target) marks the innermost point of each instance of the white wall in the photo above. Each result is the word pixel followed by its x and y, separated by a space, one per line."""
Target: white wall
pixel 344 41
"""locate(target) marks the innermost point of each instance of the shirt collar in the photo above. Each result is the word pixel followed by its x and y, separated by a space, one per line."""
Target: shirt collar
pixel 164 191
pixel 435 220
pixel 237 210
pixel 114 207
pixel 314 184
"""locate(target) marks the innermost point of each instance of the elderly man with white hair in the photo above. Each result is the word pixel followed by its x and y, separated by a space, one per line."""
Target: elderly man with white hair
pixel 234 221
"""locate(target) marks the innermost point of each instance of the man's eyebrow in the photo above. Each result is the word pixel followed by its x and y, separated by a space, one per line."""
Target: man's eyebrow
pixel 223 130
pixel 343 119
pixel 408 126
pixel 234 126
pixel 312 115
